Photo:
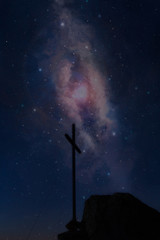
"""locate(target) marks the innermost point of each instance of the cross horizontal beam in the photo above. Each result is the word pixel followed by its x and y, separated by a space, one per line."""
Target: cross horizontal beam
pixel 73 143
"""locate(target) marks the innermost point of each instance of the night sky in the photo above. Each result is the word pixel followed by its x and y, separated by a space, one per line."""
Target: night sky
pixel 92 63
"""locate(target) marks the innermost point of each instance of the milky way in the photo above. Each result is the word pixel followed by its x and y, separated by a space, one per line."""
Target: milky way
pixel 82 95
pixel 82 90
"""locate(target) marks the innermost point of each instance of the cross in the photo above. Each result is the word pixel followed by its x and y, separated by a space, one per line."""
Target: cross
pixel 74 149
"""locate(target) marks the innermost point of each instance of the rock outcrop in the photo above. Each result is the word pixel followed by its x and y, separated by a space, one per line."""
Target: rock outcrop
pixel 116 217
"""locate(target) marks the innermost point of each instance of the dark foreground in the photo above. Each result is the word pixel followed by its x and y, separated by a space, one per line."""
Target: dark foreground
pixel 115 217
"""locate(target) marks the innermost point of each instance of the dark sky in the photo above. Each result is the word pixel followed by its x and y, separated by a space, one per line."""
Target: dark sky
pixel 35 172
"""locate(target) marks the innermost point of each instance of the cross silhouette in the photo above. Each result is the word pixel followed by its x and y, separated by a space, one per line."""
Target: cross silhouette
pixel 74 149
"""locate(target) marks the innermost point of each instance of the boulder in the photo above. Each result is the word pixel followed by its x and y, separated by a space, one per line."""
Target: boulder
pixel 120 216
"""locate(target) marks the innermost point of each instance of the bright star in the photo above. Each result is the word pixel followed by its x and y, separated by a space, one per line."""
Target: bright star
pixel 62 24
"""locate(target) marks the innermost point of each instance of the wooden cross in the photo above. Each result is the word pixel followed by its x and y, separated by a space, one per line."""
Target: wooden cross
pixel 74 149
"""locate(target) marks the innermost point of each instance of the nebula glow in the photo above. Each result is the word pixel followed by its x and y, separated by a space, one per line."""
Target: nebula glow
pixel 82 90
pixel 80 93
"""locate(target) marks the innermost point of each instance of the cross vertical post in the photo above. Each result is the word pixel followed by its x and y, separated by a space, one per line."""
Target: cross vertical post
pixel 73 173
pixel 74 149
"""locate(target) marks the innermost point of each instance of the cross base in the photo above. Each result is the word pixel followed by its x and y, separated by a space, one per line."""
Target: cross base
pixel 73 225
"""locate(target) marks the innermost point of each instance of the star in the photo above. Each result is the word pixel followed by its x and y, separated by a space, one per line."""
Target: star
pixel 62 24
pixel 113 133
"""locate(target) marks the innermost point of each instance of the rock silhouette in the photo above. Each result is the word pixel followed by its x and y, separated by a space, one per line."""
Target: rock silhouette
pixel 120 216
